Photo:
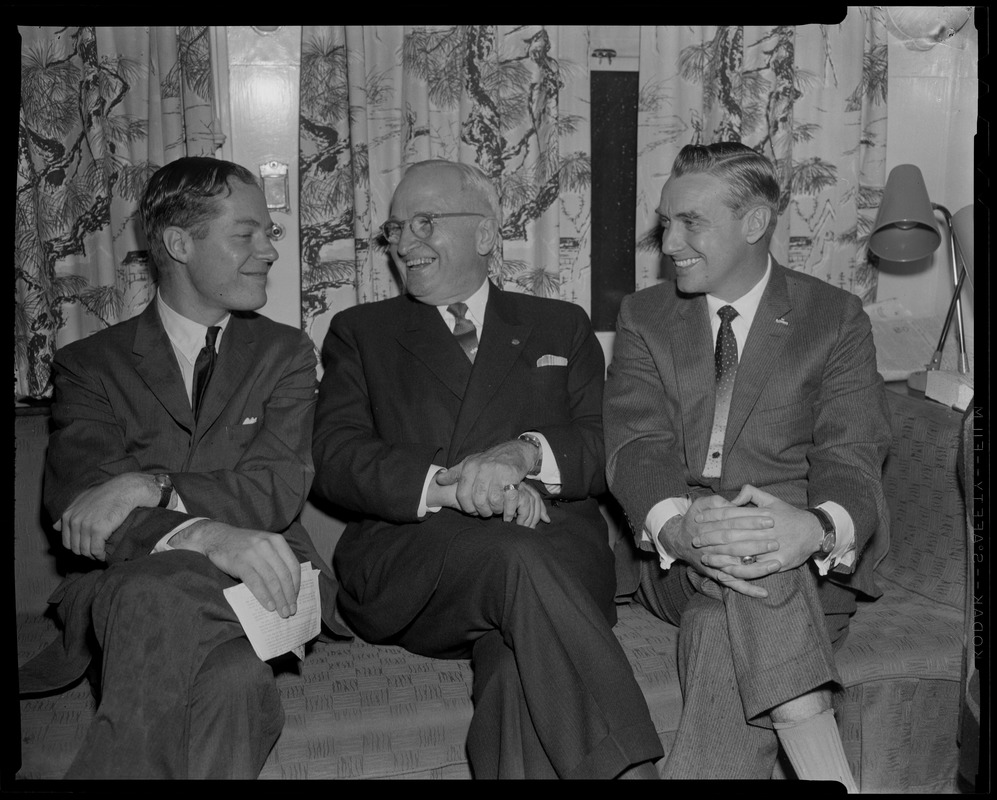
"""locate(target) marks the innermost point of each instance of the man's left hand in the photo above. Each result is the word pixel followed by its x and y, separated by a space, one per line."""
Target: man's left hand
pixel 797 531
pixel 481 478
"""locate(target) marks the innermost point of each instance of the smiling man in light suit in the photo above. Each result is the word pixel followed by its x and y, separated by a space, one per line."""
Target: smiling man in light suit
pixel 461 426
pixel 179 461
pixel 746 431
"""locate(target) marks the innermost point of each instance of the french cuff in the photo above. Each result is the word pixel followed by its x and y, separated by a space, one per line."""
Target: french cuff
pixel 162 545
pixel 656 519
pixel 842 558
pixel 423 508
pixel 550 472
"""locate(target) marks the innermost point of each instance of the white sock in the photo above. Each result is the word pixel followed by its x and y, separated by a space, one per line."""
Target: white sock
pixel 814 749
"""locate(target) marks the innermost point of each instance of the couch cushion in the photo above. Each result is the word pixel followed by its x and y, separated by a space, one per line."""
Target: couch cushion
pixel 927 530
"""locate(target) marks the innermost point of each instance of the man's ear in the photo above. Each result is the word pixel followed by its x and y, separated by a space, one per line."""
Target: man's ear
pixel 486 236
pixel 756 222
pixel 178 243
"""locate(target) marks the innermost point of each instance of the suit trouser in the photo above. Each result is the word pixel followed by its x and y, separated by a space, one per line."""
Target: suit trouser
pixel 738 658
pixel 183 694
pixel 553 691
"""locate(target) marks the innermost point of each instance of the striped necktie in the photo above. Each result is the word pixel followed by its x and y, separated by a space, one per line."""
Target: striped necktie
pixel 464 329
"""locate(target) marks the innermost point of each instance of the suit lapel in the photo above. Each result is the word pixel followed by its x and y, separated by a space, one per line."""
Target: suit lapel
pixel 156 364
pixel 692 351
pixel 762 351
pixel 426 337
pixel 501 343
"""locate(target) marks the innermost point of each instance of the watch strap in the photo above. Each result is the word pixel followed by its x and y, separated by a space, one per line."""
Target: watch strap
pixel 829 533
pixel 165 489
pixel 535 441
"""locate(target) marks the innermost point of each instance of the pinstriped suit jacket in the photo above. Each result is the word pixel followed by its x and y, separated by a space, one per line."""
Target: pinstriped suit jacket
pixel 808 417
pixel 121 406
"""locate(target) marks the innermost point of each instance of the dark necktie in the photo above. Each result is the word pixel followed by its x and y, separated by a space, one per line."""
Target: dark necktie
pixel 464 329
pixel 725 366
pixel 203 368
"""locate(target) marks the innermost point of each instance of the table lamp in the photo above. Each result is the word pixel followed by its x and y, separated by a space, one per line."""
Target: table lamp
pixel 906 230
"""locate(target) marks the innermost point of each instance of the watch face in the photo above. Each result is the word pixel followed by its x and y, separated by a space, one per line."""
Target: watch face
pixel 827 545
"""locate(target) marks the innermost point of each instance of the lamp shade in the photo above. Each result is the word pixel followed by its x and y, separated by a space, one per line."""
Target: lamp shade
pixel 905 228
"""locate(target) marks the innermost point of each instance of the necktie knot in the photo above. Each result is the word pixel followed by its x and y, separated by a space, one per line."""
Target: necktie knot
pixel 726 313
pixel 211 336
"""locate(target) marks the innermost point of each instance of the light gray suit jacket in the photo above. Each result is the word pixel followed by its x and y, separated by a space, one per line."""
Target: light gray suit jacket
pixel 808 417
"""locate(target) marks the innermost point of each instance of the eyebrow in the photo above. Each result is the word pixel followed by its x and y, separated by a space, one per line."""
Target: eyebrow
pixel 691 216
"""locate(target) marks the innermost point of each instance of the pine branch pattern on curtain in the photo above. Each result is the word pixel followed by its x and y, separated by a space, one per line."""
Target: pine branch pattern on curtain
pixel 511 99
pixel 101 109
pixel 810 97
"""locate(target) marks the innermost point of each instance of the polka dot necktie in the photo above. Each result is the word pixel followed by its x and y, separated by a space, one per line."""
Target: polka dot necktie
pixel 464 329
pixel 725 365
pixel 203 367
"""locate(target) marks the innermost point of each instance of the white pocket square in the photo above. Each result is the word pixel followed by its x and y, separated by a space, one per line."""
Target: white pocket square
pixel 552 361
pixel 249 421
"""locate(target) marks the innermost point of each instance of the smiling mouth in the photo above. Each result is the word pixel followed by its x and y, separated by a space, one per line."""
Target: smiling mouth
pixel 684 263
pixel 416 263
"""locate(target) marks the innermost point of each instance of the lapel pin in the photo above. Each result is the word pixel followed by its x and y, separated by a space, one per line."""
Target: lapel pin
pixel 515 341
pixel 781 320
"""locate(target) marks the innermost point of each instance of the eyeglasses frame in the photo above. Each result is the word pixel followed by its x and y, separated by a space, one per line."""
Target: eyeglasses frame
pixel 432 221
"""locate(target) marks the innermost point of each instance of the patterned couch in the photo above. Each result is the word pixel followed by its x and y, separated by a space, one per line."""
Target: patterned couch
pixel 366 711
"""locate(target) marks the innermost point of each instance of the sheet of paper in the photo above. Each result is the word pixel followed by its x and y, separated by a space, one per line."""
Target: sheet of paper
pixel 270 635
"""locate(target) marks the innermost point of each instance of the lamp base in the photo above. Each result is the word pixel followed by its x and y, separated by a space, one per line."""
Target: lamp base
pixel 918 381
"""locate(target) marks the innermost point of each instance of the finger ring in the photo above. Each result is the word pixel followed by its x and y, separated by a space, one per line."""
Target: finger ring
pixel 748 559
pixel 509 486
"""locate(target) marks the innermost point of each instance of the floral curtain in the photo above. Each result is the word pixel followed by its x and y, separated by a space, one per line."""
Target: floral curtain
pixel 811 97
pixel 512 99
pixel 101 109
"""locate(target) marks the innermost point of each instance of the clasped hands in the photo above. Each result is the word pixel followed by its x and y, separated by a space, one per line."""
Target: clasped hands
pixel 715 534
pixel 263 561
pixel 491 483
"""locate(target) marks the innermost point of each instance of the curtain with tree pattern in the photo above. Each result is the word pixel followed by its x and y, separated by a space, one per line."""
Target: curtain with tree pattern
pixel 101 109
pixel 810 97
pixel 512 99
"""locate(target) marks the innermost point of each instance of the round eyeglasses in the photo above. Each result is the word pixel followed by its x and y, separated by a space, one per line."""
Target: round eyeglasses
pixel 421 225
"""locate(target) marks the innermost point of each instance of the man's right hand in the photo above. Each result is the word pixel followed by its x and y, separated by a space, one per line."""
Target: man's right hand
pixel 263 561
pixel 678 533
pixel 97 512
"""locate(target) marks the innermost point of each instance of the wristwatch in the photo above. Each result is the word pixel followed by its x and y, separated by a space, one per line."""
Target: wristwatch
pixel 165 489
pixel 827 525
pixel 535 441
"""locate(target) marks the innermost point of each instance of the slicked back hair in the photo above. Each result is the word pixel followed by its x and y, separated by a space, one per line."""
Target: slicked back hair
pixel 183 194
pixel 750 177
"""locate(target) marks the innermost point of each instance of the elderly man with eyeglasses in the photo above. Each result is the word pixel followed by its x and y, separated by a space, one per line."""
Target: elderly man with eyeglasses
pixel 461 427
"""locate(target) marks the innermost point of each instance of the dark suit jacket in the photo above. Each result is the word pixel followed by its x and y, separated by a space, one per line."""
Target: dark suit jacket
pixel 121 406
pixel 808 420
pixel 398 394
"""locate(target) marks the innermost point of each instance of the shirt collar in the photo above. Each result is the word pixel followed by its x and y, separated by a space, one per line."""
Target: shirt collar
pixel 475 306
pixel 747 304
pixel 186 335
